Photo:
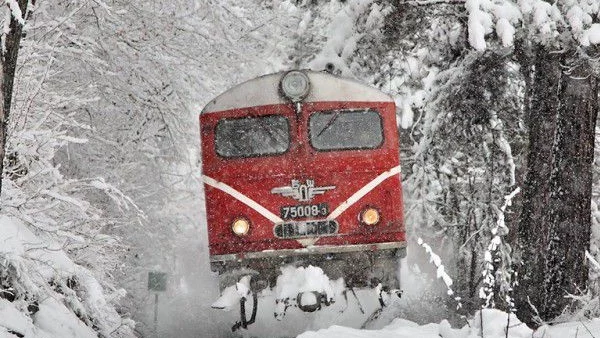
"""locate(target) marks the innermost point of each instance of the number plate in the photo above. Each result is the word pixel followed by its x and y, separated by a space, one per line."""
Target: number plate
pixel 305 229
pixel 304 211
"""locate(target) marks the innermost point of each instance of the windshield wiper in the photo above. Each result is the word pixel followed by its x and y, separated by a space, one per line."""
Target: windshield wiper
pixel 263 125
pixel 329 123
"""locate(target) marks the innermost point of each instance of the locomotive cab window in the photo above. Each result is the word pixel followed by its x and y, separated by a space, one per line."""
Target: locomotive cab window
pixel 252 136
pixel 345 130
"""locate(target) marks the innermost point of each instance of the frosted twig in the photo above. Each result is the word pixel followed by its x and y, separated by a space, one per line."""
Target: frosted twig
pixel 507 324
pixel 537 318
pixel 592 260
pixel 441 273
pixel 487 290
pixel 586 328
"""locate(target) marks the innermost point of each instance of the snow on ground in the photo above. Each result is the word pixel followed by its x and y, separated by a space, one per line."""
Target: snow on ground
pixel 53 320
pixel 579 329
pixel 404 330
pixel 494 324
pixel 58 321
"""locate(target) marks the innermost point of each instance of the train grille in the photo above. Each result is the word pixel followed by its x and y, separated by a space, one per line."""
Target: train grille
pixel 306 229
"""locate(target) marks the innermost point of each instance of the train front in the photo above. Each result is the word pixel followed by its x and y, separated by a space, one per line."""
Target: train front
pixel 303 168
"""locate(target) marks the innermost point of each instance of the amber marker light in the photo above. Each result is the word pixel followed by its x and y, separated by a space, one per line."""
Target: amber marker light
pixel 240 226
pixel 370 216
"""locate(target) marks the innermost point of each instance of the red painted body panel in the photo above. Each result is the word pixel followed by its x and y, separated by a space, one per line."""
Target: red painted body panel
pixel 348 170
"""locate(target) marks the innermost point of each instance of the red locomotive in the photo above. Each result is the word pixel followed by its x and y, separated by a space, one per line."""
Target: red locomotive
pixel 303 167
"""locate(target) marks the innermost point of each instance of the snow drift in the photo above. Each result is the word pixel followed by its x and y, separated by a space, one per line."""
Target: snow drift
pixel 44 294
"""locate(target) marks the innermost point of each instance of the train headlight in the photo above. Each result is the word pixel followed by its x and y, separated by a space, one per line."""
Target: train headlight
pixel 295 85
pixel 370 216
pixel 240 226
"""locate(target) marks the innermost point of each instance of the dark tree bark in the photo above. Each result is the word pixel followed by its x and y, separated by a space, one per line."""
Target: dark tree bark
pixel 569 216
pixel 554 229
pixel 542 75
pixel 7 77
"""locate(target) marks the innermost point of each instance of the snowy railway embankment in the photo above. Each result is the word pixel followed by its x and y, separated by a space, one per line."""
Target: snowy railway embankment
pixel 494 324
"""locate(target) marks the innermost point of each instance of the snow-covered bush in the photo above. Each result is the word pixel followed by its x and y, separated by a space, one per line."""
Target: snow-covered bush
pixel 55 256
pixel 44 293
pixel 464 162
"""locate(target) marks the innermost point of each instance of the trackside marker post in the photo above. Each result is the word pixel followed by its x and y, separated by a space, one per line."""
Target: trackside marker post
pixel 157 282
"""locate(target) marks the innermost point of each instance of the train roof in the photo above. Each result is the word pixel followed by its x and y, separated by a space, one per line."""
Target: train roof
pixel 264 90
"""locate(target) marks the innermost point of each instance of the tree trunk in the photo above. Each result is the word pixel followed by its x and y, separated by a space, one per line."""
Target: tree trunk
pixel 7 77
pixel 554 229
pixel 541 104
pixel 569 216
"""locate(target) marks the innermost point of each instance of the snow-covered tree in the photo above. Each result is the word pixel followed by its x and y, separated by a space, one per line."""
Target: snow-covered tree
pixel 10 39
pixel 464 162
pixel 58 255
pixel 556 45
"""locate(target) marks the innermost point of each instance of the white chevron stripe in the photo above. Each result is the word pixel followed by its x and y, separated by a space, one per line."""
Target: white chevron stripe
pixel 363 191
pixel 242 198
